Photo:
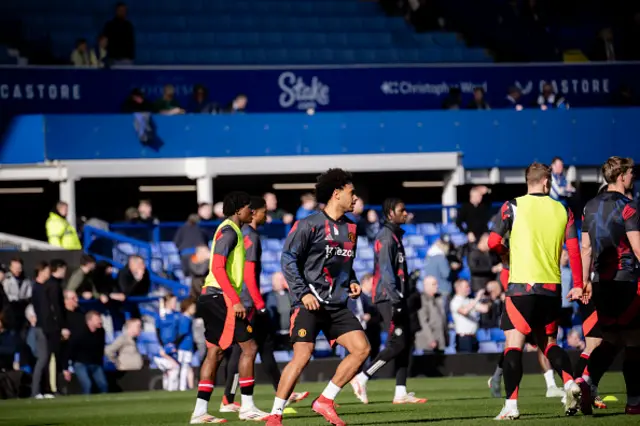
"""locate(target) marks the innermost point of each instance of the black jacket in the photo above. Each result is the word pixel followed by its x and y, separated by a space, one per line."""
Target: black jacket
pixel 48 304
pixel 390 266
pixel 317 258
pixel 130 287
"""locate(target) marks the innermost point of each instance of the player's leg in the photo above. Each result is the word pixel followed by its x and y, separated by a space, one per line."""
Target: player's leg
pixel 356 343
pixel 551 331
pixel 184 358
pixel 303 330
pixel 495 381
pixel 402 370
pixel 215 315
pixel 631 369
pixel 243 335
pixel 228 404
pixel 394 348
pixel 266 348
pixel 515 324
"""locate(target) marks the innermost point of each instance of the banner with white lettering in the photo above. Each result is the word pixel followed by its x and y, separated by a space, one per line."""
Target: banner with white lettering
pixel 68 90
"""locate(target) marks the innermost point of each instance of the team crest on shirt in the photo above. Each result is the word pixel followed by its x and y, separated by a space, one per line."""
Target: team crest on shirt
pixel 250 329
pixel 302 332
pixel 398 332
pixel 352 237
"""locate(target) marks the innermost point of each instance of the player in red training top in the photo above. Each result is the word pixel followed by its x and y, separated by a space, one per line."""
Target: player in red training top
pixel 263 331
pixel 611 242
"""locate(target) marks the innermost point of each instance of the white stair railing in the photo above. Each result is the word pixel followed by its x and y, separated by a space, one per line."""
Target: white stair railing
pixel 24 244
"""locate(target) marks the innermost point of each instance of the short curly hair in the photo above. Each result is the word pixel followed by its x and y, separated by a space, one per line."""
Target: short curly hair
pixel 234 201
pixel 329 181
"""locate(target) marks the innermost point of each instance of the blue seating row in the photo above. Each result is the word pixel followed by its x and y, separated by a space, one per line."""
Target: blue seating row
pixel 221 23
pixel 309 56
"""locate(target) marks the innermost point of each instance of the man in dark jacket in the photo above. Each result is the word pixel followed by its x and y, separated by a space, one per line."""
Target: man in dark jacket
pixel 391 289
pixel 473 217
pixel 86 353
pixel 120 33
pixel 483 265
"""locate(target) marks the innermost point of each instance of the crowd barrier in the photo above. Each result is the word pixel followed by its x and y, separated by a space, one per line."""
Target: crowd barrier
pixel 325 88
pixel 485 139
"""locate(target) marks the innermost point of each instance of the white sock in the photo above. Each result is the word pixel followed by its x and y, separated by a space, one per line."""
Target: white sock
pixel 247 401
pixel 550 379
pixel 331 391
pixel 278 406
pixel 511 404
pixel 201 407
pixel 401 392
pixel 568 385
pixel 362 378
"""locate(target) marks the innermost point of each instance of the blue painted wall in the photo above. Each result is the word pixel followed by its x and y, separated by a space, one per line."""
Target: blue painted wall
pixel 584 137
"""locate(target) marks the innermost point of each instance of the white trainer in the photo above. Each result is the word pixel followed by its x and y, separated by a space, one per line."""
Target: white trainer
pixel 508 414
pixel 573 399
pixel 229 408
pixel 555 392
pixel 205 418
pixel 253 414
pixel 360 390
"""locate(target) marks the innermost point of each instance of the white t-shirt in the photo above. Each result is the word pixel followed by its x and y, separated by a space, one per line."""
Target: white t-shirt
pixel 464 324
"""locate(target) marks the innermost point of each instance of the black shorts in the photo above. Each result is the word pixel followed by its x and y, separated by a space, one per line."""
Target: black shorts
pixel 305 325
pixel 221 326
pixel 590 324
pixel 618 304
pixel 525 313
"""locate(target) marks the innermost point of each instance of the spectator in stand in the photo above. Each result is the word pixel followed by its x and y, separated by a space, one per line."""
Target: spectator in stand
pixel 217 210
pixel 436 265
pixel 5 306
pixel 82 56
pixel 187 238
pixel 168 104
pixel 495 299
pixel 9 346
pixel 466 314
pixel 200 103
pixel 561 188
pixel 29 350
pixel 278 303
pixel 483 264
pixel 514 99
pixel 473 217
pixel 198 269
pixel 17 288
pixel 575 341
pixel 123 352
pixel 105 284
pixel 87 352
pixel 478 101
pixel 368 315
pixel 453 100
pixel 75 321
pixel 273 212
pixel 145 213
pixel 308 206
pixel 46 326
pixel 135 102
pixel 58 315
pixel 185 343
pixel 548 99
pixel 134 279
pixel 81 280
pixel 59 231
pixel 433 335
pixel 121 35
pixel 205 211
pixel 167 324
pixel 102 53
pixel 604 49
pixel 237 106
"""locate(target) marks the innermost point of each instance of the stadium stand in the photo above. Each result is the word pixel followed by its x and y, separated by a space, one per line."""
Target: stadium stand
pixel 247 32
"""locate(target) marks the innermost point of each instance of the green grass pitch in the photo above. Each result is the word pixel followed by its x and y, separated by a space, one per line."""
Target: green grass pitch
pixel 452 401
